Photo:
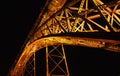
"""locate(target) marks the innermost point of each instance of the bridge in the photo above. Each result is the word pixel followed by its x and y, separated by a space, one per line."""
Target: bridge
pixel 87 23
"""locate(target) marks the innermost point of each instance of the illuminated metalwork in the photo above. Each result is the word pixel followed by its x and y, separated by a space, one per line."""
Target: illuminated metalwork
pixel 63 17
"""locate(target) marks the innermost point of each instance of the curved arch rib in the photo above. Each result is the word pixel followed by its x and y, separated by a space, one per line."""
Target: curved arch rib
pixel 67 40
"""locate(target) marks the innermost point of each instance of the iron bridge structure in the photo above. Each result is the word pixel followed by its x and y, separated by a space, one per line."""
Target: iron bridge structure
pixel 86 23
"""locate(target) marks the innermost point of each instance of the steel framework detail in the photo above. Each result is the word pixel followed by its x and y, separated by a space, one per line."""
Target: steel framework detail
pixel 67 16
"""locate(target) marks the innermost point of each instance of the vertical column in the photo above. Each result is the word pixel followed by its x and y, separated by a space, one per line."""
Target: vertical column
pixel 47 67
pixel 34 64
pixel 64 57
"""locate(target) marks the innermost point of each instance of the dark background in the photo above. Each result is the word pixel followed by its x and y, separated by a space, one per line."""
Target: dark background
pixel 16 20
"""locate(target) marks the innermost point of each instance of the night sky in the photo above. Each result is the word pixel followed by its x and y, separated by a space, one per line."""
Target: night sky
pixel 18 17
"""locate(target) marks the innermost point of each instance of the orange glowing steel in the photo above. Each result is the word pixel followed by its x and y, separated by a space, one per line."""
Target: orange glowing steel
pixel 64 16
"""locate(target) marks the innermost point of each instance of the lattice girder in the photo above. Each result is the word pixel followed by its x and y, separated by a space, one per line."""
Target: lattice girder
pixel 56 61
pixel 83 18
pixel 76 16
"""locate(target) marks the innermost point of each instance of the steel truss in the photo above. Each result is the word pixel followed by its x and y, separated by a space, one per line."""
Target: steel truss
pixel 59 59
pixel 62 17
